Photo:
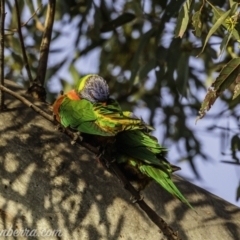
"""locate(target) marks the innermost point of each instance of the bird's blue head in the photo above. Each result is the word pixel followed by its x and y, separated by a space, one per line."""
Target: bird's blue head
pixel 93 88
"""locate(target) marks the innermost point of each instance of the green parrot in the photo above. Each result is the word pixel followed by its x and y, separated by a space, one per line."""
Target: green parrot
pixel 89 110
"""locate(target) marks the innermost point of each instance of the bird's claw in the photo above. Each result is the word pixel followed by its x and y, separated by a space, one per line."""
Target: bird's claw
pixel 76 136
pixel 103 157
pixel 101 152
pixel 136 200
pixel 59 127
pixel 109 163
pixel 104 161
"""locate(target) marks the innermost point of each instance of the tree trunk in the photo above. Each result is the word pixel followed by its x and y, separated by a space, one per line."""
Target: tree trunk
pixel 48 184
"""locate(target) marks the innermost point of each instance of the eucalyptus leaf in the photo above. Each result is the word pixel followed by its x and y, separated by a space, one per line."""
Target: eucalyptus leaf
pixel 183 74
pixel 74 72
pixel 236 91
pixel 197 24
pixel 227 75
pixel 218 12
pixel 214 28
pixel 224 42
pixel 119 21
pixel 135 64
pixel 183 19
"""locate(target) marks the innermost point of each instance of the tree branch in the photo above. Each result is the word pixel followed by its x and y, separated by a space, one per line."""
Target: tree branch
pixel 25 58
pixel 46 39
pixel 37 89
pixel 157 220
pixel 2 20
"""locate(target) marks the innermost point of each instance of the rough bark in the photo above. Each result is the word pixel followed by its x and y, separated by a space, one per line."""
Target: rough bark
pixel 47 183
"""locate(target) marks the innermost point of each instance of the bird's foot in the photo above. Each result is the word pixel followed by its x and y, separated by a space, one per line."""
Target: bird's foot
pixel 102 158
pixel 104 162
pixel 133 199
pixel 76 136
pixel 109 163
pixel 100 154
pixel 59 127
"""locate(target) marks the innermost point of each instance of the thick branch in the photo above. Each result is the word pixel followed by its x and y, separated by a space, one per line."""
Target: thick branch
pixel 162 225
pixel 46 39
pixel 2 20
pixel 25 58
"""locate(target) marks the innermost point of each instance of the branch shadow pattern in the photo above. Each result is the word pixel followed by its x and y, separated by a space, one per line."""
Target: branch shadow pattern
pixel 46 183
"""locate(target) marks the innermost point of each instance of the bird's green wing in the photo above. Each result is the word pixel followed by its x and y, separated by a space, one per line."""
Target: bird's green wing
pixel 142 146
pixel 97 119
pixel 111 118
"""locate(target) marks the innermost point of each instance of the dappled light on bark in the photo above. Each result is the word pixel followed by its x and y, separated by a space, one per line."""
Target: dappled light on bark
pixel 46 183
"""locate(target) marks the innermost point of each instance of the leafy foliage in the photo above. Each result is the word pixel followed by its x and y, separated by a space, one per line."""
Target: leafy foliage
pixel 228 75
pixel 156 54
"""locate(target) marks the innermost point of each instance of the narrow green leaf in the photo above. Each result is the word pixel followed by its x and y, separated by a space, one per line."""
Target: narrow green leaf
pixel 183 19
pixel 218 12
pixel 151 64
pixel 214 28
pixel 30 4
pixel 119 21
pixel 135 63
pixel 66 86
pixel 32 9
pixel 227 75
pixel 73 71
pixel 172 58
pixel 238 193
pixel 183 74
pixel 197 24
pixel 224 42
pixel 233 9
pixel 231 2
pixel 207 103
pixel 236 91
pixel 235 143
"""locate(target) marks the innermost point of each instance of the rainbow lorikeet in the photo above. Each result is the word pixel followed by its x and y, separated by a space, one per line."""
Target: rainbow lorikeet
pixel 89 110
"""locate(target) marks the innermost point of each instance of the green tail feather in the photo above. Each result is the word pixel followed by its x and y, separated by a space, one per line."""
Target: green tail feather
pixel 164 180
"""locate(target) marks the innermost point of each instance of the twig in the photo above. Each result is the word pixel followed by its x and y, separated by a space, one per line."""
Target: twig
pixel 24 24
pixel 46 39
pixel 25 58
pixel 35 12
pixel 157 220
pixel 27 102
pixel 2 20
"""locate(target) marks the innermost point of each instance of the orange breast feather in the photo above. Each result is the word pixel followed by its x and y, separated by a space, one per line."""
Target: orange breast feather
pixel 56 106
pixel 71 94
